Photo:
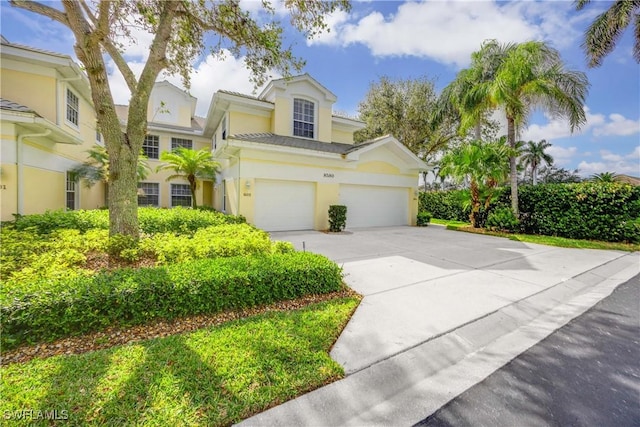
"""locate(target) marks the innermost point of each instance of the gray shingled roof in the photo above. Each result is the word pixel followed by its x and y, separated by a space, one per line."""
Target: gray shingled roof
pixel 306 144
pixel 5 104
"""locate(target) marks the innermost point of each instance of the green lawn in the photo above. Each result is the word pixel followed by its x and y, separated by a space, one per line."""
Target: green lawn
pixel 562 242
pixel 447 222
pixel 211 377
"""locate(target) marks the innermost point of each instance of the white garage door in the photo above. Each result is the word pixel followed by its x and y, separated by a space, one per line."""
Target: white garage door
pixel 374 206
pixel 284 205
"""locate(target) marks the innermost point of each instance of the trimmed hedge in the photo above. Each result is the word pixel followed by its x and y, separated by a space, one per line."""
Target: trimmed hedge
pixel 587 210
pixel 151 220
pixel 130 297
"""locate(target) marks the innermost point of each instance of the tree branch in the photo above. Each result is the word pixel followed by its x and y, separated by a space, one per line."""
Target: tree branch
pixel 41 9
pixel 89 13
pixel 121 63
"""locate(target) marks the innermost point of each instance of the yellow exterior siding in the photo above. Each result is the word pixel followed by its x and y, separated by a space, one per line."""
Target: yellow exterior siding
pixel 8 191
pixel 324 125
pixel 247 123
pixel 35 91
pixel 377 166
pixel 43 190
pixel 283 117
pixel 341 136
pixel 326 195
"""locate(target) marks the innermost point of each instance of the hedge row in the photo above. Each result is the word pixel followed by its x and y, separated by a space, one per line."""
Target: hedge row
pixel 586 210
pixel 129 297
pixel 151 220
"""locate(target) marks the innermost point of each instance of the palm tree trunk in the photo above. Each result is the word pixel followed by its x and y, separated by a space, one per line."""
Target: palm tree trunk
pixel 478 131
pixel 192 187
pixel 511 138
pixel 534 175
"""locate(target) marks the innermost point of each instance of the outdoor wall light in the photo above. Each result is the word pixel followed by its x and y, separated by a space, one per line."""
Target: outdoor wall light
pixel 247 184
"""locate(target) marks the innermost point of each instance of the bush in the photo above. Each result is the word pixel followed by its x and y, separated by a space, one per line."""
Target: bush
pixel 337 217
pixel 424 218
pixel 587 210
pixel 54 309
pixel 454 205
pixel 502 219
pixel 216 241
pixel 151 220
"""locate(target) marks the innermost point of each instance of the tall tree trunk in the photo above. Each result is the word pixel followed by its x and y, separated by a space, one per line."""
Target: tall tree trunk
pixel 123 155
pixel 534 174
pixel 511 138
pixel 192 186
pixel 478 131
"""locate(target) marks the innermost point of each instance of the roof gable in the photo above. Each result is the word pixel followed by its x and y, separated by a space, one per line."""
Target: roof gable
pixel 290 84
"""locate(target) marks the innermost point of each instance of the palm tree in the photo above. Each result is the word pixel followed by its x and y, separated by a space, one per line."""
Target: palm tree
pixel 533 155
pixel 531 75
pixel 96 168
pixel 604 177
pixel 190 165
pixel 604 32
pixel 459 98
pixel 485 165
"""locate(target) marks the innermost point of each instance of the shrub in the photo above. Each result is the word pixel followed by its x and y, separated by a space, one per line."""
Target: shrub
pixel 54 309
pixel 502 219
pixel 215 241
pixel 424 218
pixel 151 220
pixel 587 210
pixel 337 217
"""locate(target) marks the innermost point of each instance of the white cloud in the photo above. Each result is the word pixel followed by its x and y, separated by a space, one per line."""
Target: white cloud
pixel 449 31
pixel 600 125
pixel 618 126
pixel 207 77
pixel 562 156
pixel 609 162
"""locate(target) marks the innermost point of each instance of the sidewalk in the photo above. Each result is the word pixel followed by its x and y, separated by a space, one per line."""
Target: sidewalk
pixel 435 320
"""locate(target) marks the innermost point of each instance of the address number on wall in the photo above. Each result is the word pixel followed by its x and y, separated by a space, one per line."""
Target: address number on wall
pixel 329 175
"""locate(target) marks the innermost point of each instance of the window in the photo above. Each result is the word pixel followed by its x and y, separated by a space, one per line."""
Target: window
pixel 303 118
pixel 151 146
pixel 215 141
pixel 180 142
pixel 71 192
pixel 180 195
pixel 224 128
pixel 98 136
pixel 73 108
pixel 148 194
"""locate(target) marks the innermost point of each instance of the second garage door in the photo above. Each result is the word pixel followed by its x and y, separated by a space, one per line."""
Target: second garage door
pixel 284 205
pixel 375 206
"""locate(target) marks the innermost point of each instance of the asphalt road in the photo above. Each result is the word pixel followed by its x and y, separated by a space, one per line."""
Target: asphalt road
pixel 585 374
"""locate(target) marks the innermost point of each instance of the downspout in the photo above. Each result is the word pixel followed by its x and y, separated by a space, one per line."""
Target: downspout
pixel 20 166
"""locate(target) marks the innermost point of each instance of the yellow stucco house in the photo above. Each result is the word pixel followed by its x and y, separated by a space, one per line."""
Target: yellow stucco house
pixel 285 156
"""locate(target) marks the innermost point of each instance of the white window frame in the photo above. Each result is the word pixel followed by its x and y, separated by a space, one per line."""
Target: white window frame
pixel 157 148
pixel 171 195
pixel 175 144
pixel 303 117
pixel 158 195
pixel 71 188
pixel 70 95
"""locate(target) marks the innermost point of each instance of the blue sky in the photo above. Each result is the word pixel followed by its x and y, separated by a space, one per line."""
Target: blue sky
pixel 414 39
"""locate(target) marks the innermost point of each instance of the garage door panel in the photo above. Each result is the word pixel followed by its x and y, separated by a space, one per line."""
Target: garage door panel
pixel 375 206
pixel 284 205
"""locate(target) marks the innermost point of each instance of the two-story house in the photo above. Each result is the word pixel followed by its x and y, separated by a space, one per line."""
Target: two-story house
pixel 286 158
pixel 171 123
pixel 48 123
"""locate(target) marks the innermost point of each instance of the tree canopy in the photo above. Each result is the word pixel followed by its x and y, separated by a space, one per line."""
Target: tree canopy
pixel 104 28
pixel 603 34
pixel 404 108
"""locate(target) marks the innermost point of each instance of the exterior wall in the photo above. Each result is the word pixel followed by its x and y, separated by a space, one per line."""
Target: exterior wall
pixel 8 190
pixel 169 105
pixel 323 124
pixel 43 197
pixel 341 136
pixel 240 122
pixel 164 140
pixel 282 121
pixel 326 173
pixel 30 85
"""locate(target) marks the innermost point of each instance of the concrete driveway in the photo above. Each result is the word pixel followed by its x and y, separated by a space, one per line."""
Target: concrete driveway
pixel 441 311
pixel 420 282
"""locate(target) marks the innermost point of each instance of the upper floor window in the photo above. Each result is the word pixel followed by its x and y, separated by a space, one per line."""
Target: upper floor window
pixel 180 142
pixel 224 128
pixel 151 146
pixel 303 118
pixel 73 107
